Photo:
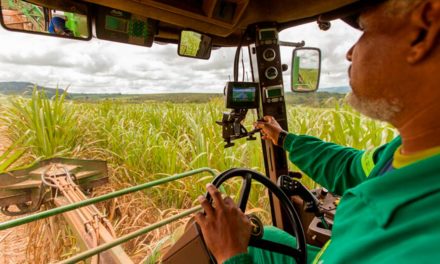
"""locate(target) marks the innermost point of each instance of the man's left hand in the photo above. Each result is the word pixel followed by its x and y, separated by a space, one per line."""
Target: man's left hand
pixel 225 228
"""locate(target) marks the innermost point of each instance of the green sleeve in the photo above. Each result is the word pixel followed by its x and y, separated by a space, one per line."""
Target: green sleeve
pixel 335 167
pixel 244 258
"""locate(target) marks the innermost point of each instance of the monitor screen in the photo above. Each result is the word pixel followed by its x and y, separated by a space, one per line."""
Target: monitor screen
pixel 116 24
pixel 274 93
pixel 121 26
pixel 243 95
pixel 268 34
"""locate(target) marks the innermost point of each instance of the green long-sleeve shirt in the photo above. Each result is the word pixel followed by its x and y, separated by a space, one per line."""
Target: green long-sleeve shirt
pixel 335 167
pixel 389 217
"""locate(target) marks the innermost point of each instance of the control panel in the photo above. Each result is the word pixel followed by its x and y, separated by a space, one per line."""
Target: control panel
pixel 269 67
pixel 273 94
pixel 268 36
pixel 270 71
pixel 267 51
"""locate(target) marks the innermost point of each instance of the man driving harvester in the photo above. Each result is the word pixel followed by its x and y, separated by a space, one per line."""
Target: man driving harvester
pixel 389 209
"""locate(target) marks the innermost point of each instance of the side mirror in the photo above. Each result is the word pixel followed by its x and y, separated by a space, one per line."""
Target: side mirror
pixel 194 45
pixel 65 18
pixel 306 70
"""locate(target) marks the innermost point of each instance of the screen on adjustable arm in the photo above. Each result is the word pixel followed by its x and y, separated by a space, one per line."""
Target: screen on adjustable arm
pixel 242 95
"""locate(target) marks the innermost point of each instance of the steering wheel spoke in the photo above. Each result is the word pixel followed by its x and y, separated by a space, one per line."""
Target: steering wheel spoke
pixel 275 247
pixel 245 191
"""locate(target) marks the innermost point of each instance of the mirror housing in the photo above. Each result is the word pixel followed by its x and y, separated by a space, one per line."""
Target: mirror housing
pixel 194 45
pixel 306 70
pixel 66 18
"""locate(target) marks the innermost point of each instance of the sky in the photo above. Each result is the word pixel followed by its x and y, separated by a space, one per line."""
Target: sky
pixel 99 66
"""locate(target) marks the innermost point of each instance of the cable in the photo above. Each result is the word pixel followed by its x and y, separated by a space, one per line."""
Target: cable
pixel 250 61
pixel 242 63
pixel 237 56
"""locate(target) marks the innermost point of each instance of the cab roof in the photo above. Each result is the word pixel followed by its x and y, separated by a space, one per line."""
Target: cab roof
pixel 226 20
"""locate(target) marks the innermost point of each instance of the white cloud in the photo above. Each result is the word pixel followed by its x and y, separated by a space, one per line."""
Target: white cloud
pixel 333 43
pixel 101 66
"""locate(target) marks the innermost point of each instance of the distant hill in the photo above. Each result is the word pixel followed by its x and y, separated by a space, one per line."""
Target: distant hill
pixel 340 89
pixel 312 99
pixel 24 88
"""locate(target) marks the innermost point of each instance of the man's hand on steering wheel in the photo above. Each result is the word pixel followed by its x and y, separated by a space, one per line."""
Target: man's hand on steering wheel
pixel 225 228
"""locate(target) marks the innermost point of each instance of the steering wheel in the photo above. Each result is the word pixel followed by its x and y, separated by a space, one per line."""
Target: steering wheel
pixel 299 252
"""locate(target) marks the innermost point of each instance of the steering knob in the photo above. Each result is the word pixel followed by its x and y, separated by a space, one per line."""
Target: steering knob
pixel 257 226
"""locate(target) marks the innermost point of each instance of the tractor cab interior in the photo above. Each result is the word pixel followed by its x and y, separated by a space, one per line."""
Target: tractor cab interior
pixel 197 27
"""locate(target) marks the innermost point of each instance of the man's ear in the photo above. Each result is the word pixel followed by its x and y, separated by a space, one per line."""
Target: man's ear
pixel 425 19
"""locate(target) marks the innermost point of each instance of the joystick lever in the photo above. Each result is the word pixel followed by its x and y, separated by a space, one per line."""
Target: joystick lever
pixel 293 187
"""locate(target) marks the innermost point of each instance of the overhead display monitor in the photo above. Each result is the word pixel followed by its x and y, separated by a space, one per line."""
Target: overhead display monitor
pixel 242 95
pixel 120 26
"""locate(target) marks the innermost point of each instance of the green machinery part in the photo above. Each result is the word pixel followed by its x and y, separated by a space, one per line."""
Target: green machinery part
pixel 70 207
pixel 77 24
pixel 24 188
pixel 295 75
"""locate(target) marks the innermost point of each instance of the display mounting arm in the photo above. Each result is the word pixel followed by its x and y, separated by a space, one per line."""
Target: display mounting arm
pixel 233 128
pixel 293 44
pixel 240 97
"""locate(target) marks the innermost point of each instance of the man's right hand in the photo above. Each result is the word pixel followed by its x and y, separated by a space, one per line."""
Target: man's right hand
pixel 270 128
pixel 226 229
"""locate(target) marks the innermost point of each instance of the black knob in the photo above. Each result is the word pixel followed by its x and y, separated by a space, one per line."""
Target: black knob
pixel 295 174
pixel 324 192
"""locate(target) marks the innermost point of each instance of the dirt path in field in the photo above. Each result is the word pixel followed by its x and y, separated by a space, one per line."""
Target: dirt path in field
pixel 13 241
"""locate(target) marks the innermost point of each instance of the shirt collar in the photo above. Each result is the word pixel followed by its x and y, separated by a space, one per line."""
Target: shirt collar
pixel 402 160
